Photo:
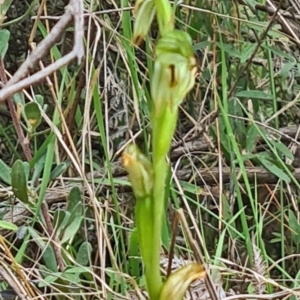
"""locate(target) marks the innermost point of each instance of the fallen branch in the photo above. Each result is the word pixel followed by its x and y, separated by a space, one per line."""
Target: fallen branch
pixel 285 134
pixel 210 177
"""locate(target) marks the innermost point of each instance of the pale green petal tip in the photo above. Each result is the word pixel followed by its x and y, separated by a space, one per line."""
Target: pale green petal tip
pixel 178 282
pixel 145 12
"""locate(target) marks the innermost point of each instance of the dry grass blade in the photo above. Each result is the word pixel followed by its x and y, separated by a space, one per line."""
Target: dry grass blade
pixel 259 267
pixel 17 282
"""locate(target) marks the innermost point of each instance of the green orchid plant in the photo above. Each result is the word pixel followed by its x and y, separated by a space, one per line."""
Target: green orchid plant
pixel 173 77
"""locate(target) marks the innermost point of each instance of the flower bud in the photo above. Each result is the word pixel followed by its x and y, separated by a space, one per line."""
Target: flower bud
pixel 139 170
pixel 174 70
pixel 173 78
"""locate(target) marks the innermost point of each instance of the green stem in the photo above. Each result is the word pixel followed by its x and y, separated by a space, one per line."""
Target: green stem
pixel 160 171
pixel 145 225
pixel 163 130
pixel 164 16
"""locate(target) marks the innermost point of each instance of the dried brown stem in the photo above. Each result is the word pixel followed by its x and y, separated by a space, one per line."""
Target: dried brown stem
pixel 55 243
pixel 285 134
pixel 17 83
pixel 16 122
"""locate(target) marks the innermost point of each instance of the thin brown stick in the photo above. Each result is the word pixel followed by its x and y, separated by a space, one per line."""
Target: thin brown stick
pixel 54 242
pixel 17 83
pixel 259 42
pixel 173 241
pixel 15 119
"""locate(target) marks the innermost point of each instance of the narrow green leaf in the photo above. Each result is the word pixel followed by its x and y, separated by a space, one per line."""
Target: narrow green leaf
pixel 283 149
pixel 191 187
pixel 201 45
pixel 247 157
pixel 283 54
pixel 49 258
pixel 251 3
pixel 274 169
pixel 71 229
pixel 19 99
pixel 75 210
pixel 284 72
pixel 38 168
pixel 264 155
pixel 22 231
pixel 61 219
pixel 74 198
pixel 254 94
pixel 4 38
pixel 237 124
pixel 79 270
pixel 298 67
pixel 19 181
pixel 47 250
pixel 225 141
pixel 48 280
pixel 58 170
pixel 251 138
pixel 230 49
pixel 4 7
pixel 259 27
pixel 39 99
pixel 8 226
pixel 294 224
pixel 72 277
pixel 5 172
pixel 227 211
pixel 247 52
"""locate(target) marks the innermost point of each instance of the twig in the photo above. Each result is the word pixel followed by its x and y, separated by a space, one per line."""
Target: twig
pixel 52 235
pixel 285 134
pixel 259 42
pixel 17 83
pixel 271 10
pixel 285 24
pixel 13 113
pixel 10 89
